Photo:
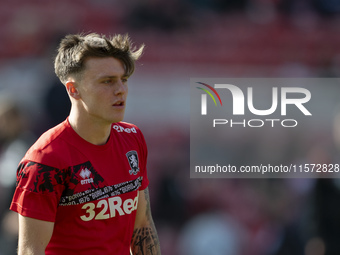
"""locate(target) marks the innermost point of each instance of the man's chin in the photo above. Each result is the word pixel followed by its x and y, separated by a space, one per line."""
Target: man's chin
pixel 115 120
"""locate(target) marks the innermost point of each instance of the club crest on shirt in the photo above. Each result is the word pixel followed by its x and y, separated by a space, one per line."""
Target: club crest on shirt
pixel 132 157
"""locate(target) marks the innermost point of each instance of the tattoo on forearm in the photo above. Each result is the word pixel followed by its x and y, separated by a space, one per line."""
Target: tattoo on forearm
pixel 145 242
pixel 145 239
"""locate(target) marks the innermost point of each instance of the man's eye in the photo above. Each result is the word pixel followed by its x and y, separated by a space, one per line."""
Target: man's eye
pixel 124 79
pixel 107 81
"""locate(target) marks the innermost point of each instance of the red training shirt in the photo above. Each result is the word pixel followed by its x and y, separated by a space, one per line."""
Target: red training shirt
pixel 90 192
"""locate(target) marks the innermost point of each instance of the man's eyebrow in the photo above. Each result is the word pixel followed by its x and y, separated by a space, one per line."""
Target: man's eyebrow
pixel 107 76
pixel 111 76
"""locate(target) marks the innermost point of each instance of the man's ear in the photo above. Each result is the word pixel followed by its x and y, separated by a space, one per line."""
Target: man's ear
pixel 72 90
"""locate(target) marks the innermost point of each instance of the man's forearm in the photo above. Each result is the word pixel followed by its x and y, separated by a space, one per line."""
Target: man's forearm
pixel 145 241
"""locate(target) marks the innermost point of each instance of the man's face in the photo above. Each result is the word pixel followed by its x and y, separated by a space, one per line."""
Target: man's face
pixel 103 90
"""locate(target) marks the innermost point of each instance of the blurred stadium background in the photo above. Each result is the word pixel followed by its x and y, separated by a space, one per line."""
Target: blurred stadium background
pixel 189 38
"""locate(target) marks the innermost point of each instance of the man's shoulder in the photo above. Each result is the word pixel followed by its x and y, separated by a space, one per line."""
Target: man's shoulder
pixel 52 142
pixel 50 136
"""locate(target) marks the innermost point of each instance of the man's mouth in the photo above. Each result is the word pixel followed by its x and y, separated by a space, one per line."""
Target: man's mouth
pixel 119 103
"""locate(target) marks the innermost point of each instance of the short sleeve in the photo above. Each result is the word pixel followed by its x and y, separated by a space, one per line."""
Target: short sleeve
pixel 144 153
pixel 38 190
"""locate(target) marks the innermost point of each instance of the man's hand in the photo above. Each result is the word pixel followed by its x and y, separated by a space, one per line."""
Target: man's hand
pixel 144 239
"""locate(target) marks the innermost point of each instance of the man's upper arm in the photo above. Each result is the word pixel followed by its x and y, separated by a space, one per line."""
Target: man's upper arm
pixel 143 215
pixel 34 235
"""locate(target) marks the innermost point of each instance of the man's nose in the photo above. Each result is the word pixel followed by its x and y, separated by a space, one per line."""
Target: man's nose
pixel 121 88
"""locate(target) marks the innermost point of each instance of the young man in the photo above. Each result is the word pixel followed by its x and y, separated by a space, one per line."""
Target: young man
pixel 82 187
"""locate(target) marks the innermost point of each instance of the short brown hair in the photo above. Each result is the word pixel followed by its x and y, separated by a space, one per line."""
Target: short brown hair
pixel 75 48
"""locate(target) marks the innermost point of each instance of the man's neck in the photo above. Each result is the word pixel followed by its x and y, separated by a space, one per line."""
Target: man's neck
pixel 93 132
